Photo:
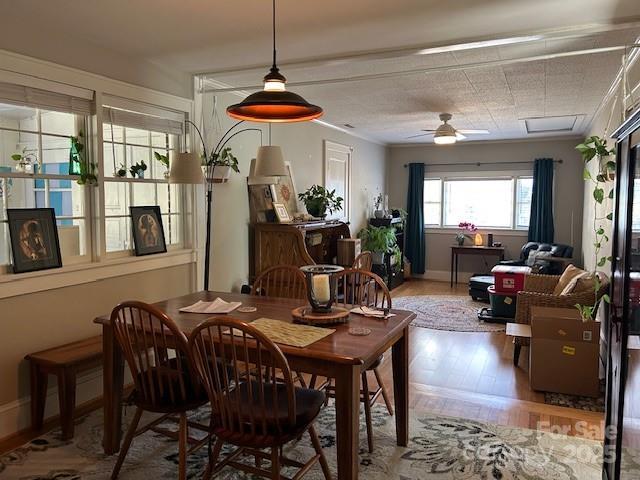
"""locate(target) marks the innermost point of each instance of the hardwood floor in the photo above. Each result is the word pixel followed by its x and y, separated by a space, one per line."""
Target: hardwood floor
pixel 467 375
pixel 471 375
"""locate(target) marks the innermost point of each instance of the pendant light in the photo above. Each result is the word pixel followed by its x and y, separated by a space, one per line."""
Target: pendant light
pixel 274 103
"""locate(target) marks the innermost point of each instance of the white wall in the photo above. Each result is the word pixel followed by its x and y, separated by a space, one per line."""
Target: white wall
pixel 302 145
pixel 567 198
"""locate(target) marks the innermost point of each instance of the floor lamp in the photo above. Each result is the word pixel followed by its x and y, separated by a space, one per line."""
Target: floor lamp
pixel 186 168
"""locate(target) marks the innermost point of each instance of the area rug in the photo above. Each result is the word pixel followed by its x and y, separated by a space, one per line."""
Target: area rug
pixel 439 448
pixel 455 313
pixel 576 401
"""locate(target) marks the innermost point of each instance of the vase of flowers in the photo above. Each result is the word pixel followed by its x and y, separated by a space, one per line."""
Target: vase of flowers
pixel 462 236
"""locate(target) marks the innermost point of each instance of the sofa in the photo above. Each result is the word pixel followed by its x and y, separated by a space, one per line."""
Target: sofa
pixel 542 266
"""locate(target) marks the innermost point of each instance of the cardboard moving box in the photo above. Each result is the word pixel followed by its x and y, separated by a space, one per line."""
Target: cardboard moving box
pixel 564 352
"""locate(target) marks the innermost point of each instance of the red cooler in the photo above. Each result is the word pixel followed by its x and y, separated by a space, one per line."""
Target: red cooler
pixel 509 280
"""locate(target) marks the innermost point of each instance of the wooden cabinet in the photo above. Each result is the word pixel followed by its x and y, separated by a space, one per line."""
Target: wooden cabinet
pixel 294 244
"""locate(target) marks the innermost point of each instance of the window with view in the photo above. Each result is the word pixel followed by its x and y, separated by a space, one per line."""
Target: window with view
pixel 39 141
pixel 124 147
pixel 489 202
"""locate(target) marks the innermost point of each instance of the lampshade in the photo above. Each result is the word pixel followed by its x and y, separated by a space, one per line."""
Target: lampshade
pixel 274 103
pixel 185 168
pixel 270 162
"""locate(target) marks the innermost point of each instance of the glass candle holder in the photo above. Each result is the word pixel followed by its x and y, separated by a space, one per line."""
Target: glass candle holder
pixel 322 286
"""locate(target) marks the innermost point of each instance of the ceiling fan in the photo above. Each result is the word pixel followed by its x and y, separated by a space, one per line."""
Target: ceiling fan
pixel 445 134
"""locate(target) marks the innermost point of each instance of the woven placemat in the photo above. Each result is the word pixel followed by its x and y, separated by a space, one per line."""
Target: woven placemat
pixel 291 334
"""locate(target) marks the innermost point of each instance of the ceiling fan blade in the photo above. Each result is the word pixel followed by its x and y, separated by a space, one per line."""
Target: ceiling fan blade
pixel 473 132
pixel 459 136
pixel 428 130
pixel 420 135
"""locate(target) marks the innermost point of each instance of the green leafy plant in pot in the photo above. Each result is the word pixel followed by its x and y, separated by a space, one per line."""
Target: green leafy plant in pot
pixel 379 241
pixel 223 163
pixel 318 200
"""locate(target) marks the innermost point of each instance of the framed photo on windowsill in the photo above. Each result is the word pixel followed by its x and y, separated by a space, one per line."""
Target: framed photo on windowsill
pixel 34 239
pixel 148 232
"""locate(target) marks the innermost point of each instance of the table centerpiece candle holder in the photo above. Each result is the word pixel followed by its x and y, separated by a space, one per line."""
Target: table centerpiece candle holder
pixel 322 291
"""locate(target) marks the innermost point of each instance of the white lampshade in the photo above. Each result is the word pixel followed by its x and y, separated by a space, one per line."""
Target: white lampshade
pixel 185 168
pixel 270 162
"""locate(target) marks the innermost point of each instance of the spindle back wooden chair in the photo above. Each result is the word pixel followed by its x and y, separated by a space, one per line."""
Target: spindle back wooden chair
pixel 165 381
pixel 364 261
pixel 284 281
pixel 364 288
pixel 254 403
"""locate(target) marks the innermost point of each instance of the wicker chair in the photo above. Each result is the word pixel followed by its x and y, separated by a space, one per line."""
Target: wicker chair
pixel 538 292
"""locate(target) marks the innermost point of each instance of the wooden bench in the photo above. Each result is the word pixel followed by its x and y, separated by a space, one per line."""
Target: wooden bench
pixel 65 362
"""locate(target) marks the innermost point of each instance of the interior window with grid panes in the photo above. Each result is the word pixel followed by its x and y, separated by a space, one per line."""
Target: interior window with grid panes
pixel 124 148
pixel 34 173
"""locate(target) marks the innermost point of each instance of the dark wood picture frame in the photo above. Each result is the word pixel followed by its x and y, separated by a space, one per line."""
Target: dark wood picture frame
pixel 147 230
pixel 34 239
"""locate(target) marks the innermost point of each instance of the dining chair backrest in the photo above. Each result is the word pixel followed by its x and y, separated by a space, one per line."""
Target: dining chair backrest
pixel 247 379
pixel 284 281
pixel 156 352
pixel 364 261
pixel 360 287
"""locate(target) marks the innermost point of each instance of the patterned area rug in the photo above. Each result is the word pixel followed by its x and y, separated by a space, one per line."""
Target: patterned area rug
pixel 455 313
pixel 575 401
pixel 439 448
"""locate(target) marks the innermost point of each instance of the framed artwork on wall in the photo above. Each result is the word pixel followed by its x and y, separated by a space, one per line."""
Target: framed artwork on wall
pixel 148 232
pixel 337 175
pixel 285 191
pixel 34 239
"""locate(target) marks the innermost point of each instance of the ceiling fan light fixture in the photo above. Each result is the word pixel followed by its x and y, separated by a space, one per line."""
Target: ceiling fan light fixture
pixel 444 139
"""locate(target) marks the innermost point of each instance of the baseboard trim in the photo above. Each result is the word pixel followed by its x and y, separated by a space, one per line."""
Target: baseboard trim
pixel 443 276
pixel 15 416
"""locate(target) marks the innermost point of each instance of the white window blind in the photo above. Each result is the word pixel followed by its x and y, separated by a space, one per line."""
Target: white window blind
pixel 37 98
pixel 141 121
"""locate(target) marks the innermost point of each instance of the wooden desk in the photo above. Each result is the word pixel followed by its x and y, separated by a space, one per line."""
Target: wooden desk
pixel 340 356
pixel 471 250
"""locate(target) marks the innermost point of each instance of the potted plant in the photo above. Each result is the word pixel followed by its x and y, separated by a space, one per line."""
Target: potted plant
pixel 121 171
pixel 164 160
pixel 223 163
pixel 379 241
pixel 318 200
pixel 138 169
pixel 595 148
pixel 377 202
pixel 24 161
pixel 466 227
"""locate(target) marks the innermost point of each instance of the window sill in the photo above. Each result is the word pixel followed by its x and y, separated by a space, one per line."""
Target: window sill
pixel 12 285
pixel 497 232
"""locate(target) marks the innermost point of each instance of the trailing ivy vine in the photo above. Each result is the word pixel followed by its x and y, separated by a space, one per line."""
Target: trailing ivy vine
pixel 596 148
pixel 87 169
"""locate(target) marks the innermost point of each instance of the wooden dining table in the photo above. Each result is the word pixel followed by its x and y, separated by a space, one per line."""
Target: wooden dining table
pixel 341 356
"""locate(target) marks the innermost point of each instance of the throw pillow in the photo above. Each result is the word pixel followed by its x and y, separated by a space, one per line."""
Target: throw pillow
pixel 566 278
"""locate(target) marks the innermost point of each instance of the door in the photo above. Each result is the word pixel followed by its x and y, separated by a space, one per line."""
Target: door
pixel 337 176
pixel 622 438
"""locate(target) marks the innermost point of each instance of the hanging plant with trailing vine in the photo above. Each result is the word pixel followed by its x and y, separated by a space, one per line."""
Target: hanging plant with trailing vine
pixel 87 169
pixel 595 148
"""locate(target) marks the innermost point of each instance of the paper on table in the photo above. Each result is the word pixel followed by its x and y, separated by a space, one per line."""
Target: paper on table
pixel 371 312
pixel 217 306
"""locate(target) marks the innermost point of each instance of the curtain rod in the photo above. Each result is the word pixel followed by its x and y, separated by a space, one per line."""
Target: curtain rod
pixel 475 164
